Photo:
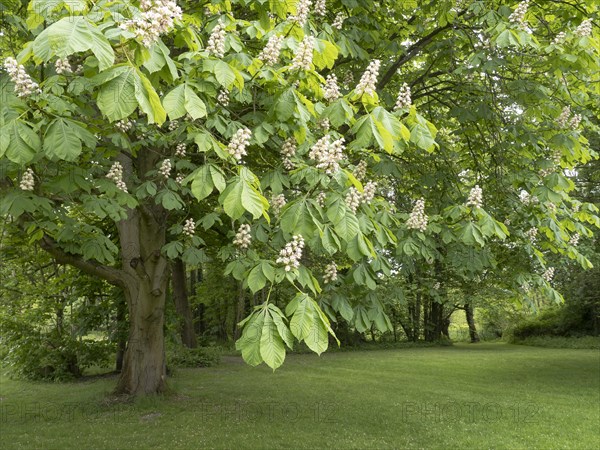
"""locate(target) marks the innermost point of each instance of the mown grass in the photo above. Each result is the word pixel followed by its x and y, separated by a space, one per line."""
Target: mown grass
pixel 465 396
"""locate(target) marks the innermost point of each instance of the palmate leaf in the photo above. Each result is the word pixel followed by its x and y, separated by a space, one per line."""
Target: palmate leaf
pixel 21 143
pixel 63 139
pixel 117 95
pixel 182 100
pixel 71 35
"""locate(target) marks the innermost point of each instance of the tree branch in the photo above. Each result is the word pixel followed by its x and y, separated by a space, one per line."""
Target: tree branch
pixel 114 276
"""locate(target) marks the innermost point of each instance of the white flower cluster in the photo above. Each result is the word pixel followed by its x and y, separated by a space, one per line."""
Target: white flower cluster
pixel 189 227
pixel 575 120
pixel 532 234
pixel 563 118
pixel 288 151
pixel 338 22
pixel 332 90
pixel 321 7
pixel 527 199
pixel 165 168
pixel 324 123
pixel 180 150
pixel 243 239
pixel 223 97
pixel 27 182
pixel 291 254
pixel 270 54
pixel 179 178
pixel 116 174
pixel 574 240
pixel 556 157
pixel 360 171
pixel 173 124
pixel 584 28
pixel 526 287
pixel 418 219
pixel 403 100
pixel 368 81
pixel 321 197
pixel 157 17
pixel 302 11
pixel 353 199
pixel 124 125
pixel 216 41
pixel 62 66
pixel 304 54
pixel 548 274
pixel 277 203
pixel 239 142
pixel 328 154
pixel 330 273
pixel 559 38
pixel 369 192
pixel 437 285
pixel 475 197
pixel 551 207
pixel 518 15
pixel 24 85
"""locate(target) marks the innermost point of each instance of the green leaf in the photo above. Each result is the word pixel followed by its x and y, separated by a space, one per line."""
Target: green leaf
pixel 71 35
pixel 174 102
pixel 148 99
pixel 250 342
pixel 61 141
pixel 24 142
pixel 272 349
pixel 347 226
pixel 224 74
pixel 193 105
pixel 256 279
pixel 202 183
pixel 296 219
pixel 117 95
pixel 303 319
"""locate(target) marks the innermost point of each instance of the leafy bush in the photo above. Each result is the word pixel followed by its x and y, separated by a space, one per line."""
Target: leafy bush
pixel 179 356
pixel 560 342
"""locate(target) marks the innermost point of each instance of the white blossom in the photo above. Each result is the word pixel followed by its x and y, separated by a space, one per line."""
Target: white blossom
pixel 288 151
pixel 321 197
pixel 62 66
pixel 559 38
pixel 369 192
pixel 165 168
pixel 548 274
pixel 518 15
pixel 216 41
pixel 189 227
pixel 116 174
pixel 532 234
pixel 368 81
pixel 243 239
pixel 403 100
pixel 475 197
pixel 302 11
pixel 27 181
pixel 173 124
pixel 320 7
pixel 277 203
pixel 353 199
pixel 437 285
pixel 124 125
pixel 574 240
pixel 270 54
pixel 223 97
pixel 239 142
pixel 157 17
pixel 332 90
pixel 563 118
pixel 330 273
pixel 360 171
pixel 180 150
pixel 304 54
pixel 338 22
pixel 584 28
pixel 291 254
pixel 328 154
pixel 24 85
pixel 418 219
pixel 574 122
pixel 179 178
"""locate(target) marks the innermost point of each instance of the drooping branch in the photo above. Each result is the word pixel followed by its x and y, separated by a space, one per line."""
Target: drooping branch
pixel 113 276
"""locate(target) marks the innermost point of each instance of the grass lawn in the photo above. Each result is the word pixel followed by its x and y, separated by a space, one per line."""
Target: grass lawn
pixel 464 396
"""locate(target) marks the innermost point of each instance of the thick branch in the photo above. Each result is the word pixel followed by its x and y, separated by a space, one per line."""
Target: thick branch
pixel 94 268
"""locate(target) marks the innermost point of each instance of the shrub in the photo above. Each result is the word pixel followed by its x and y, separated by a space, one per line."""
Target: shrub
pixel 179 356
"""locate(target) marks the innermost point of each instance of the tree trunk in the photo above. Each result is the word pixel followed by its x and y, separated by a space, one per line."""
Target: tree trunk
pixel 471 322
pixel 121 333
pixel 182 305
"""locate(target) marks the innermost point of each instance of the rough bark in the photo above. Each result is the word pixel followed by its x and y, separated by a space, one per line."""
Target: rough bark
pixel 182 304
pixel 471 322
